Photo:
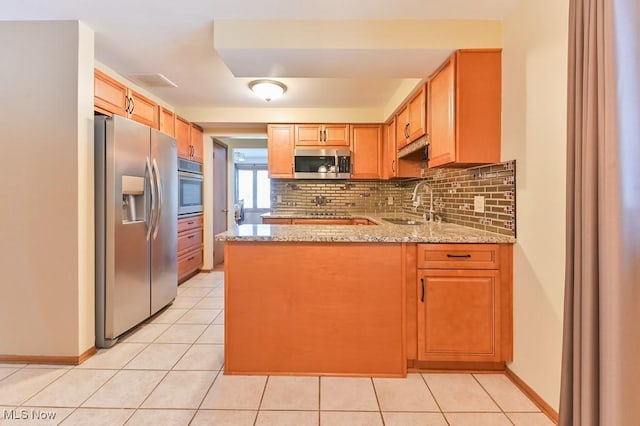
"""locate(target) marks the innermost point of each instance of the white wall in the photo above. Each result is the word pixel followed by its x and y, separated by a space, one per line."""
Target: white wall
pixel 46 161
pixel 534 133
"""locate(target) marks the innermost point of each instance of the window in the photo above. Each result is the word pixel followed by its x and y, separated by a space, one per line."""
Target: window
pixel 253 186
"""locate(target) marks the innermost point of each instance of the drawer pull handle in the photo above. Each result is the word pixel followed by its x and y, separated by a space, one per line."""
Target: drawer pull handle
pixel 191 236
pixel 190 223
pixel 191 258
pixel 422 285
pixel 459 256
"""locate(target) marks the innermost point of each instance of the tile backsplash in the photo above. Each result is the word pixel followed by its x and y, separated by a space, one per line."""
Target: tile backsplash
pixel 336 196
pixel 453 196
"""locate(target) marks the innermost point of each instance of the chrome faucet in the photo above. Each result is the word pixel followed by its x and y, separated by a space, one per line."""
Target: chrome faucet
pixel 416 203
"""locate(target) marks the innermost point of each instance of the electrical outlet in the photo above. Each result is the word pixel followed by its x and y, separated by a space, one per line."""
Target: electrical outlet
pixel 478 204
pixel 390 200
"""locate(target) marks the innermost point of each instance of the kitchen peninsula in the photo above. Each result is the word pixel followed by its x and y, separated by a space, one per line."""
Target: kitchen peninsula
pixel 365 300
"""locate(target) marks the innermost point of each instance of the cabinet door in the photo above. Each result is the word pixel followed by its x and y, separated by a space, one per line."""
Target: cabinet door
pixel 183 136
pixel 167 121
pixel 442 137
pixel 389 151
pixel 308 134
pixel 478 106
pixel 143 110
pixel 196 143
pixel 366 147
pixel 280 145
pixel 109 95
pixel 458 315
pixel 402 127
pixel 335 134
pixel 417 115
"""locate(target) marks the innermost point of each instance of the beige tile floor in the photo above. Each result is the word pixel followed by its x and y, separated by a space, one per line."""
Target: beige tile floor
pixel 167 371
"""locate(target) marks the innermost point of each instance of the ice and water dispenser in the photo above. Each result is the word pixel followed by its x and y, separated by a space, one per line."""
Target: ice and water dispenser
pixel 133 199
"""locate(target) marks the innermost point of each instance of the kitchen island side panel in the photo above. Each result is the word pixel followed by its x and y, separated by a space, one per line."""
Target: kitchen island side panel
pixel 308 308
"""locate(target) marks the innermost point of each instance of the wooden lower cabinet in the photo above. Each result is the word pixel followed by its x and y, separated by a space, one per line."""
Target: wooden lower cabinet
pixel 464 311
pixel 314 308
pixel 190 236
pixel 458 315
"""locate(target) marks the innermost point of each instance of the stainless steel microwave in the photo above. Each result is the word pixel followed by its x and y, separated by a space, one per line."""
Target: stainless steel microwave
pixel 322 164
pixel 189 187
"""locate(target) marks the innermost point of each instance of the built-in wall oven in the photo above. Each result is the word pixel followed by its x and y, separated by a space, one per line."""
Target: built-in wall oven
pixel 189 187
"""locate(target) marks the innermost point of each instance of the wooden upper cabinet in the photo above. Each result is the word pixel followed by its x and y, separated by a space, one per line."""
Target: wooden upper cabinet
pixel 322 135
pixel 167 121
pixel 465 109
pixel 418 115
pixel 402 126
pixel 109 95
pixel 143 110
pixel 411 120
pixel 366 155
pixel 389 150
pixel 308 134
pixel 280 146
pixel 183 136
pixel 197 144
pixel 336 134
pixel 442 135
pixel 112 97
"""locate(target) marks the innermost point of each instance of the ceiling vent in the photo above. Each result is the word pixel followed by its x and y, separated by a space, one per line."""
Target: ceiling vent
pixel 152 80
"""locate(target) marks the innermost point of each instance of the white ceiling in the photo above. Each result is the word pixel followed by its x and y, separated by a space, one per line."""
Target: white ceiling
pixel 176 39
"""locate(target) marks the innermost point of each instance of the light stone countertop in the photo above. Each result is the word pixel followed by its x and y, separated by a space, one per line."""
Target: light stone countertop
pixel 383 232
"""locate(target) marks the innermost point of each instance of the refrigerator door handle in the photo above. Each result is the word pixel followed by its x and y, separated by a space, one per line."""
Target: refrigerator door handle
pixel 153 198
pixel 156 169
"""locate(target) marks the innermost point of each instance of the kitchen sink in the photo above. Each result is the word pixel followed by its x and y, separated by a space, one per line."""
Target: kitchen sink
pixel 397 221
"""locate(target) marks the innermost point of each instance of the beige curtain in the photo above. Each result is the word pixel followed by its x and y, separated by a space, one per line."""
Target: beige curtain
pixel 601 347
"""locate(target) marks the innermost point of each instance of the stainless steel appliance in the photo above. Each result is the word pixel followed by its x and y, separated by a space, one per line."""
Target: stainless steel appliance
pixel 322 164
pixel 189 187
pixel 136 224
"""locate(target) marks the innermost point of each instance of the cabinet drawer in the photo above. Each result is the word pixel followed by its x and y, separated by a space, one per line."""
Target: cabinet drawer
pixel 276 221
pixel 321 221
pixel 362 222
pixel 189 240
pixel 458 256
pixel 189 262
pixel 189 223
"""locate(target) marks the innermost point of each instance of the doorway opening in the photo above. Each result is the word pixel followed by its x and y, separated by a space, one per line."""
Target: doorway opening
pixel 252 187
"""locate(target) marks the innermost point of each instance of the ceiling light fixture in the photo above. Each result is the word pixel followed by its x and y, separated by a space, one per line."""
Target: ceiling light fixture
pixel 267 89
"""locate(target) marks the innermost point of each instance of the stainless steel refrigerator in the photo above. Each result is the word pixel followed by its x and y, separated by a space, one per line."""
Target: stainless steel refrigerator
pixel 136 206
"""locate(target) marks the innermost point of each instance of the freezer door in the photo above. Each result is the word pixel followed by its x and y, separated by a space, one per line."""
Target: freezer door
pixel 164 238
pixel 128 206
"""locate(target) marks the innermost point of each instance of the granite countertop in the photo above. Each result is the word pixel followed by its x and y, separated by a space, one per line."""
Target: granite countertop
pixel 383 232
